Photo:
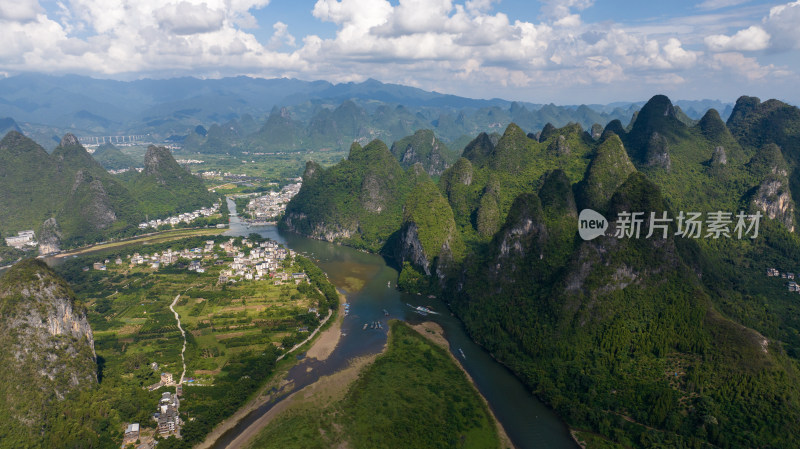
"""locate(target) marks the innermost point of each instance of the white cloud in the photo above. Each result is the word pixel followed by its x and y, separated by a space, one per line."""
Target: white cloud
pixel 20 10
pixel 783 24
pixel 187 18
pixel 750 39
pixel 439 44
pixel 741 65
pixel 709 5
pixel 558 9
pixel 281 36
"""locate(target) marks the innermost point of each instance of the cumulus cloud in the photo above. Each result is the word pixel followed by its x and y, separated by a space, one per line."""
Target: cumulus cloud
pixel 750 39
pixel 20 10
pixel 281 36
pixel 187 18
pixel 782 24
pixel 748 68
pixel 429 42
pixel 559 9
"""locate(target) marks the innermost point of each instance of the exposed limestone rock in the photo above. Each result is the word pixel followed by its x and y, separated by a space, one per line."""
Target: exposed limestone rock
pixel 372 196
pixel 411 248
pixel 319 231
pixel 559 146
pixel 657 154
pixel 719 157
pixel 68 140
pixel 50 237
pixel 47 342
pixel 774 199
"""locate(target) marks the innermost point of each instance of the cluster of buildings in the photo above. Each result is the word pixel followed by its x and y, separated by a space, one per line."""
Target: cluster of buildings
pixel 272 205
pixel 169 257
pixel 22 239
pixel 169 422
pixel 186 217
pixel 218 174
pixel 166 416
pixel 123 170
pixel 263 261
pixel 189 161
pixel 791 284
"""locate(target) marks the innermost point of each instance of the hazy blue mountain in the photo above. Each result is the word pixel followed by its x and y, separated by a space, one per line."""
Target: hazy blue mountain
pixel 46 106
pixel 8 124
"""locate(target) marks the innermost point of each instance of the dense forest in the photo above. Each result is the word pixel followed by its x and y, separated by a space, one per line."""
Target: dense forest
pixel 640 342
pixel 68 198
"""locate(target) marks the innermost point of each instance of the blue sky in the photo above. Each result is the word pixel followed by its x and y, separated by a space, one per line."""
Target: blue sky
pixel 562 51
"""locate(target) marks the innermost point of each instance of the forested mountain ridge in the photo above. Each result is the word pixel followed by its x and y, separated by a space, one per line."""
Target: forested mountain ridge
pixel 68 198
pixel 48 350
pixel 68 187
pixel 326 126
pixel 425 148
pixel 359 200
pixel 660 342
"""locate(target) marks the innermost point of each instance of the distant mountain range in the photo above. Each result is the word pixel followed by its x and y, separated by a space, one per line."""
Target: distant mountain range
pixel 46 107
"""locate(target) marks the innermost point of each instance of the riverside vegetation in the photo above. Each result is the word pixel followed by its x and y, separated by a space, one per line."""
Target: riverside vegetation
pixel 234 334
pixel 412 396
pixel 643 343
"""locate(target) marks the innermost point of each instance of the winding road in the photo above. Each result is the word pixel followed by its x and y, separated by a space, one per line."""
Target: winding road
pixel 183 334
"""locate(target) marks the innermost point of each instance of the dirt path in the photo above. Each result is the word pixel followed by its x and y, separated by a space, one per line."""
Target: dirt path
pixel 330 312
pixel 183 334
pixel 320 350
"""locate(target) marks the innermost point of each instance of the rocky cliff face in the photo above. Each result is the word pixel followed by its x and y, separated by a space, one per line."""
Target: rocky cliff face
pixel 720 157
pixel 773 195
pixel 50 237
pixel 48 347
pixel 329 232
pixel 428 238
pixel 559 146
pixel 774 199
pixel 411 249
pixel 657 153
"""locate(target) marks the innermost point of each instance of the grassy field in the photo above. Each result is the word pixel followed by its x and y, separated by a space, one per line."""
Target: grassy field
pixel 234 330
pixel 270 167
pixel 129 312
pixel 412 396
